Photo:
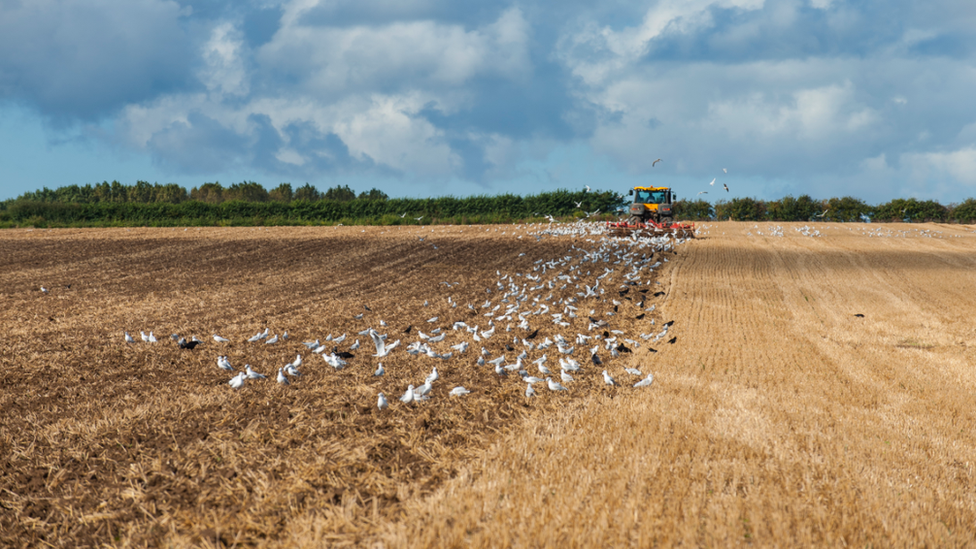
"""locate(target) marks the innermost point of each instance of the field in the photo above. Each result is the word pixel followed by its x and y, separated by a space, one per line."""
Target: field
pixel 778 417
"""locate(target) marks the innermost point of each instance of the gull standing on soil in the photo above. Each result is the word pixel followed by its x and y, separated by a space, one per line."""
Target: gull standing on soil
pixel 381 402
pixel 272 340
pixel 151 338
pixel 237 381
pixel 281 377
pixel 459 391
pixel 554 385
pixel 646 382
pixel 529 391
pixel 251 374
pixel 407 397
pixel 224 364
pixel 128 338
pixel 608 380
pixel 379 371
pixel 219 339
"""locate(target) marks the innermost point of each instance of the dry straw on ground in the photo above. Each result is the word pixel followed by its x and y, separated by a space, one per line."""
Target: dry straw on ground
pixel 777 419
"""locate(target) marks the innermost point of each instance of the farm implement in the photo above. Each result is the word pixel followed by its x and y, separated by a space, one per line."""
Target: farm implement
pixel 651 228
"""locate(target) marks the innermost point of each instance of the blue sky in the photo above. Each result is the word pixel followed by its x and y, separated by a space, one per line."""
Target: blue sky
pixel 433 97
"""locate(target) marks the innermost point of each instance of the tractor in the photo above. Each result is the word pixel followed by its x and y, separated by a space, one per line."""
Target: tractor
pixel 651 204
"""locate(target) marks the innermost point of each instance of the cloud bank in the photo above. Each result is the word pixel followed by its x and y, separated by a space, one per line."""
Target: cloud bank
pixel 824 97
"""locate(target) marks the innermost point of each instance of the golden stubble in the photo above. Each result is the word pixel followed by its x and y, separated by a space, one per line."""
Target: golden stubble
pixel 778 419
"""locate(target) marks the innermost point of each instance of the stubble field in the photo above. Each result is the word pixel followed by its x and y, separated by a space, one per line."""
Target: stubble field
pixel 777 417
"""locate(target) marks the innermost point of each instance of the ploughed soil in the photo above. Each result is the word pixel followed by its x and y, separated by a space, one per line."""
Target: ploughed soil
pixel 108 443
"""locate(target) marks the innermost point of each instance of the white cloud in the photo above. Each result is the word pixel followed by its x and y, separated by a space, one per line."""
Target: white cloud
pixel 425 53
pixel 387 134
pixel 224 71
pixel 958 165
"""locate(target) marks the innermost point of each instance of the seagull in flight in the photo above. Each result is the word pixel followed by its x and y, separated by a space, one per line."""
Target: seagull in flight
pixel 587 188
pixel 702 192
pixel 419 218
pixel 655 162
pixel 382 349
pixel 724 170
pixel 404 214
pixel 726 187
pixel 713 181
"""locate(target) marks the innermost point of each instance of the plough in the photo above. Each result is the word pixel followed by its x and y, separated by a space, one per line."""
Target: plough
pixel 651 228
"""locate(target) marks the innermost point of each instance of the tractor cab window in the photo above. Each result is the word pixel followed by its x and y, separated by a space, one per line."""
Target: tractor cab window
pixel 651 197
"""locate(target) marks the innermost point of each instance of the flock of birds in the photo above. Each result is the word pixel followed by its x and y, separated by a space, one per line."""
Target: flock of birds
pixel 546 326
pixel 724 186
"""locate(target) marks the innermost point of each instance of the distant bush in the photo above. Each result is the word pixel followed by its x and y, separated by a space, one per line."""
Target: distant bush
pixel 965 212
pixel 698 210
pixel 910 209
pixel 741 209
pixel 794 209
pixel 845 209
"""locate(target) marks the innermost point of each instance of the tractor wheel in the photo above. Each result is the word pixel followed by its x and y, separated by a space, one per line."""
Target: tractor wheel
pixel 667 220
pixel 635 220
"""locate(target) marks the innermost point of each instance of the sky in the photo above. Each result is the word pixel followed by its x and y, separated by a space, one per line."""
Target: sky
pixel 872 99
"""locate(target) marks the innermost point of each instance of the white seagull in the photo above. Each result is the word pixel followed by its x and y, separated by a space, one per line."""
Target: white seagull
pixel 251 374
pixel 408 396
pixel 646 382
pixel 379 371
pixel 219 339
pixel 281 378
pixel 128 338
pixel 381 402
pixel 607 379
pixel 237 381
pixel 459 391
pixel 382 349
pixel 554 385
pixel 224 364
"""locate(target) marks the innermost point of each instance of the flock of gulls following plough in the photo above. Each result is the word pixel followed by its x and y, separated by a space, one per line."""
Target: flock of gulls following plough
pixel 578 294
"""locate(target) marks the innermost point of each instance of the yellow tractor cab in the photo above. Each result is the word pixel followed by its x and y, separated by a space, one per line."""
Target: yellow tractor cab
pixel 651 203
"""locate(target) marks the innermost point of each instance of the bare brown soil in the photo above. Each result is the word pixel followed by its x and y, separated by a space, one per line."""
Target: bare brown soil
pixel 778 418
pixel 107 443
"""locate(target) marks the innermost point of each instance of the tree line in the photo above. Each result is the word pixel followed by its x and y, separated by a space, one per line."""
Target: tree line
pixel 249 203
pixel 144 192
pixel 844 209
